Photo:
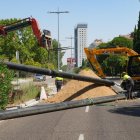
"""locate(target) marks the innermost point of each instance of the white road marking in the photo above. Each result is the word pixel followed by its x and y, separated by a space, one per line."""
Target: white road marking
pixel 87 109
pixel 81 137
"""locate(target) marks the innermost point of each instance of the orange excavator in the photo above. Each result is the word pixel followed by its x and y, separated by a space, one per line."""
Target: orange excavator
pixel 133 65
pixel 92 53
pixel 44 38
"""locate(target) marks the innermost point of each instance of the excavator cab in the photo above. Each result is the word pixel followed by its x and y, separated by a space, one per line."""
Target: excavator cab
pixel 133 69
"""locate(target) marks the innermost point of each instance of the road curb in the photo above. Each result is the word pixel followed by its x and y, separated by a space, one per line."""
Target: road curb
pixel 24 105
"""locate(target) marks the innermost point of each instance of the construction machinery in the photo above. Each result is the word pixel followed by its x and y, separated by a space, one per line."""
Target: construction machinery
pixel 92 56
pixel 133 69
pixel 133 65
pixel 43 38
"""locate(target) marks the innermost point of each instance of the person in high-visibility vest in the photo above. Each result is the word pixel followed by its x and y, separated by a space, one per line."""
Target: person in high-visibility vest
pixel 127 84
pixel 58 83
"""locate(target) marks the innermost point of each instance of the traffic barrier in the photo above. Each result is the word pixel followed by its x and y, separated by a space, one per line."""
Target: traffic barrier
pixel 43 95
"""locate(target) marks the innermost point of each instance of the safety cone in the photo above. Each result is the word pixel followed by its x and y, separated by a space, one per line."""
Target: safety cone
pixel 43 95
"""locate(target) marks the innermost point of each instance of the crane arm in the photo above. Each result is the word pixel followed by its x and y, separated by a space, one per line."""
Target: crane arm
pixel 44 39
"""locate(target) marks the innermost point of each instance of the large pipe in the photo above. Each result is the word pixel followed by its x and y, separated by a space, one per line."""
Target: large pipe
pixel 39 109
pixel 59 74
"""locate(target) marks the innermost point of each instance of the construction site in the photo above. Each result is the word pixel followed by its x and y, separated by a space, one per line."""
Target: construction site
pixel 95 96
pixel 85 86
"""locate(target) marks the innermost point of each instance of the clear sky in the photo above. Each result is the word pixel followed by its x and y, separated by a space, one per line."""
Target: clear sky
pixel 106 19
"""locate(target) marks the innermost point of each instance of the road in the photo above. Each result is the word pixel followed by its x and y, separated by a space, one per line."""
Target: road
pixel 112 121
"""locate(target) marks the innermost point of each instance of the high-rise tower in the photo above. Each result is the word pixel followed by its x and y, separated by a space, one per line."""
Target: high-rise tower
pixel 80 35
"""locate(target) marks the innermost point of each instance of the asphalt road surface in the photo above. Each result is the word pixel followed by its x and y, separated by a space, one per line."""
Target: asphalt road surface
pixel 111 121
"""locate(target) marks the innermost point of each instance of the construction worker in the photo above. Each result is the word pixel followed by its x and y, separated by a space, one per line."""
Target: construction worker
pixel 58 82
pixel 127 84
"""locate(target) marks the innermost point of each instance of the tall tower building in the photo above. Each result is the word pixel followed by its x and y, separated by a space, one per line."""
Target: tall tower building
pixel 80 35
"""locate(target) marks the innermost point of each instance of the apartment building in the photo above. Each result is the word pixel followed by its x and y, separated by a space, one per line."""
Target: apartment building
pixel 80 35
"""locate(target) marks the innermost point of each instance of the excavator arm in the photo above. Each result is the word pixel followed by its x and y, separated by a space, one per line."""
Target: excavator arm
pixel 92 53
pixel 44 39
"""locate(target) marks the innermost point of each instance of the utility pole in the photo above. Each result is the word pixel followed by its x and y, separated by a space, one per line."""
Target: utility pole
pixel 71 60
pixel 58 13
pixel 71 44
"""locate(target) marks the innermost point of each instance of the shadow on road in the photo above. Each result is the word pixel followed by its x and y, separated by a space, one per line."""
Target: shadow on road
pixel 130 111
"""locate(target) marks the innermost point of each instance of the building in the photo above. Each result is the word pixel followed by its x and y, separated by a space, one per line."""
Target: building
pixel 70 63
pixel 80 35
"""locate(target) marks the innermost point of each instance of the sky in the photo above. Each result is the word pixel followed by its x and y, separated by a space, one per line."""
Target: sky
pixel 106 19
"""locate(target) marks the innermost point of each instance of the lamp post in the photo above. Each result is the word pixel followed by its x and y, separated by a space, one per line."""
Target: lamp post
pixel 58 13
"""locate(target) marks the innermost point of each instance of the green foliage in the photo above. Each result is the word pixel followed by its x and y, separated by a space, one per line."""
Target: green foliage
pixel 64 68
pixel 30 91
pixel 122 42
pixel 103 45
pixel 85 64
pixel 114 64
pixel 32 63
pixel 14 60
pixel 136 36
pixel 30 53
pixel 49 66
pixel 6 77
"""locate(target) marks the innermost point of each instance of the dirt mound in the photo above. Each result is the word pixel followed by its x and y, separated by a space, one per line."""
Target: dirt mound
pixel 76 90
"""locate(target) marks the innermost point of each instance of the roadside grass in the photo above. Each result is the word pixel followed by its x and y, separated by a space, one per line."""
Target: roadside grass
pixel 26 92
pixel 30 91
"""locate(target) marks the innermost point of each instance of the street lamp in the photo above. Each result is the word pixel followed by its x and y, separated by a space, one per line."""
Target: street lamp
pixel 58 12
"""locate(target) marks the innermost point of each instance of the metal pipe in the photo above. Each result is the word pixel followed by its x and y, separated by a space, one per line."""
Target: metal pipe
pixel 59 74
pixel 39 109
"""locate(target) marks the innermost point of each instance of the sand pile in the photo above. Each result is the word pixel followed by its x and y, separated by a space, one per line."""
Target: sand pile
pixel 76 90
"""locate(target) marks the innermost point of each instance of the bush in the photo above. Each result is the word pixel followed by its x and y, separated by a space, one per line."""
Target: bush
pixel 6 77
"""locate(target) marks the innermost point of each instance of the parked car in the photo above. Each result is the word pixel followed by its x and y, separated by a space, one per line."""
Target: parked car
pixel 39 77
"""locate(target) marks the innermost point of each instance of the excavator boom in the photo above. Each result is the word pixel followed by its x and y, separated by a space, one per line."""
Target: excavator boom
pixel 92 53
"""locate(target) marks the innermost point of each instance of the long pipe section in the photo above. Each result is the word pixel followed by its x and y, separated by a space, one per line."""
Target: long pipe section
pixel 39 109
pixel 59 74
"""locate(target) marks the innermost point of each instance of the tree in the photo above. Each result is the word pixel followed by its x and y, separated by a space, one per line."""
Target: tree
pixel 6 77
pixel 24 41
pixel 103 45
pixel 114 64
pixel 136 40
pixel 21 40
pixel 122 42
